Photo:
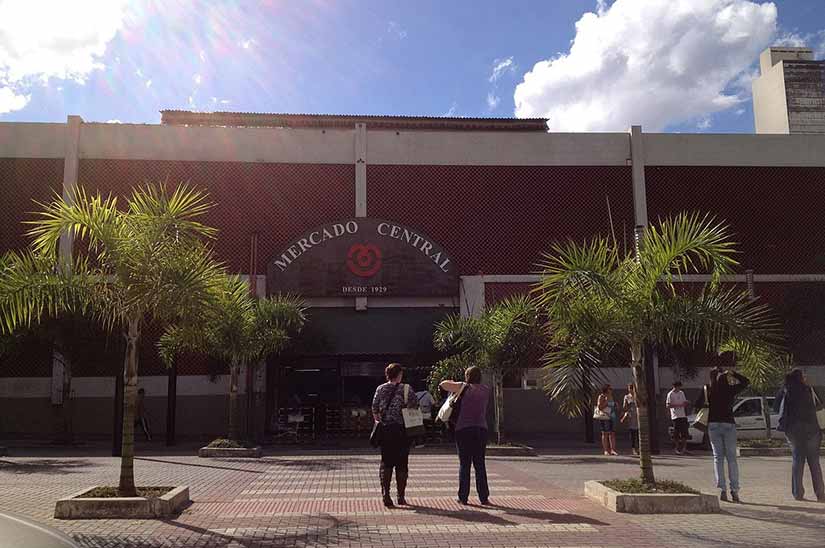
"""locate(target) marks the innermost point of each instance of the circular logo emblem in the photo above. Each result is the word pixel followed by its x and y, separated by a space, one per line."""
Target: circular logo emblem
pixel 364 260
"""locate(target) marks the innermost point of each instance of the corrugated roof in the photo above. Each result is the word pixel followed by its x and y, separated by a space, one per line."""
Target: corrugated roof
pixel 260 119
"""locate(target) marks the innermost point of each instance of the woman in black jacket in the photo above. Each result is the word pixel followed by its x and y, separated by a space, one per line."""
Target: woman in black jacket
pixel 797 406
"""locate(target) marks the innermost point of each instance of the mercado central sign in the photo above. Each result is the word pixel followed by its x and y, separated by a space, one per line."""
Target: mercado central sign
pixel 363 257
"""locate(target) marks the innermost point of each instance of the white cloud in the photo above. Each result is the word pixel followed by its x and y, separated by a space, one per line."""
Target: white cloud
pixel 649 62
pixel 500 66
pixel 492 101
pixel 451 111
pixel 704 123
pixel 397 30
pixel 225 101
pixel 11 101
pixel 148 83
pixel 197 78
pixel 246 44
pixel 203 56
pixel 41 39
pixel 114 121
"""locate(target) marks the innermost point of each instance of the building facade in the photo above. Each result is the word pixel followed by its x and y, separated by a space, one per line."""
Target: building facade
pixel 387 224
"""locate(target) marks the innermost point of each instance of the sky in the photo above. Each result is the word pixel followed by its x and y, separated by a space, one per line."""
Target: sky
pixel 586 65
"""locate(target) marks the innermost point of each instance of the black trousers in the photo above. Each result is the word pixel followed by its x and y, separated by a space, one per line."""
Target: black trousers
pixel 472 447
pixel 395 454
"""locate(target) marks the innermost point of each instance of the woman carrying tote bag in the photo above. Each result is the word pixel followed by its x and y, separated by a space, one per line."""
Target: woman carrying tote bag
pixel 471 433
pixel 388 407
pixel 799 404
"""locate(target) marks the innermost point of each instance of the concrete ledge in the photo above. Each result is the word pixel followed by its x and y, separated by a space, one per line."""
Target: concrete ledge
pixel 231 452
pixel 167 505
pixel 650 503
pixel 763 451
pixel 510 451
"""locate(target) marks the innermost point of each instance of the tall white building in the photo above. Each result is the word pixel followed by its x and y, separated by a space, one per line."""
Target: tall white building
pixel 789 95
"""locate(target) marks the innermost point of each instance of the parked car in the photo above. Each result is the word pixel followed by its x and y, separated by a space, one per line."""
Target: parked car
pixel 17 531
pixel 750 422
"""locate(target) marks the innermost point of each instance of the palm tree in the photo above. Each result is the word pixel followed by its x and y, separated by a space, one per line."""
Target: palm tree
pixel 238 330
pixel 504 338
pixel 600 301
pixel 146 262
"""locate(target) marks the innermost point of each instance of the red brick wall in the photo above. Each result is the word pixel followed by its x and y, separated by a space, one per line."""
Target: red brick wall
pixel 278 201
pixel 775 213
pixel 22 182
pixel 500 219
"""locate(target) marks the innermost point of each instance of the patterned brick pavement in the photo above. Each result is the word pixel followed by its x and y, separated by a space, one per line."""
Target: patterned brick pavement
pixel 331 500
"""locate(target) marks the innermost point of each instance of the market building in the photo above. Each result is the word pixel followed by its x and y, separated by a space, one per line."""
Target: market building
pixel 386 224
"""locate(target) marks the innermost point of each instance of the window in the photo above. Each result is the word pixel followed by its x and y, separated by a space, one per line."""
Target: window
pixel 749 408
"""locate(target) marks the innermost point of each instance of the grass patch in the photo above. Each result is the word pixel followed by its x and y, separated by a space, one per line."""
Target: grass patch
pixel 635 487
pixel 762 443
pixel 111 492
pixel 223 443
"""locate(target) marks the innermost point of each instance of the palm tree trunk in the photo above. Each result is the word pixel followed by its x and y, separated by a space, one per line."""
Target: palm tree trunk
pixel 130 377
pixel 498 404
pixel 234 420
pixel 639 379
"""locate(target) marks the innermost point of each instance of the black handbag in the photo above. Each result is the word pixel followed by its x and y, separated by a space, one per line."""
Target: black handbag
pixel 377 428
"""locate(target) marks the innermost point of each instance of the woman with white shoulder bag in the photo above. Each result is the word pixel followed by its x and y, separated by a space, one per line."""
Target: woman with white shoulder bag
pixel 397 420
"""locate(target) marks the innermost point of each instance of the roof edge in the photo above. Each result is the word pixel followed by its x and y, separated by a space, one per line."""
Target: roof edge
pixel 283 120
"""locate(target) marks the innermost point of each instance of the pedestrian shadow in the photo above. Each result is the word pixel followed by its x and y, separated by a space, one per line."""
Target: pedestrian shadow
pixel 482 515
pixel 325 530
pixel 192 464
pixel 803 509
pixel 46 466
pixel 803 521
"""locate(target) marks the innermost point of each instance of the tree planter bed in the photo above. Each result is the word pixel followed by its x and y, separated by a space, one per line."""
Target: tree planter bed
pixel 230 452
pixel 650 503
pixel 80 506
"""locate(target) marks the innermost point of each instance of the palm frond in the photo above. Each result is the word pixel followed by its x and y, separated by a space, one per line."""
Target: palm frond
pixel 686 243
pixel 713 317
pixel 32 287
pixel 570 377
pixel 765 367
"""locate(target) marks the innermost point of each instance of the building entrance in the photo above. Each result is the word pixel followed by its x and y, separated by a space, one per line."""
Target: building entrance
pixel 331 396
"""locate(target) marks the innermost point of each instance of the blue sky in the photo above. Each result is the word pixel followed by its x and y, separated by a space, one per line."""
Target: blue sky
pixel 400 57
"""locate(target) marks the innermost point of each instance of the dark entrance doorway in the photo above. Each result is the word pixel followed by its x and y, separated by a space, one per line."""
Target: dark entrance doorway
pixel 331 396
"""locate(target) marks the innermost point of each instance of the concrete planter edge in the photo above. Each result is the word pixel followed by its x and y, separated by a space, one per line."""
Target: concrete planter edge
pixel 74 507
pixel 650 503
pixel 231 452
pixel 763 451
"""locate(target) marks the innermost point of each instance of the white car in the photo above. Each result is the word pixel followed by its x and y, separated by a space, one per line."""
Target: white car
pixel 750 422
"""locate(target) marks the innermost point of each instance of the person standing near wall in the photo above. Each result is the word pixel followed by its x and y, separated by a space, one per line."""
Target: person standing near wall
pixel 471 433
pixel 607 416
pixel 677 403
pixel 722 391
pixel 141 419
pixel 797 405
pixel 631 417
pixel 387 405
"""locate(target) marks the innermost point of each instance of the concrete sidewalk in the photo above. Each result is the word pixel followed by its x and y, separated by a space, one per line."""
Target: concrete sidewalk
pixel 311 499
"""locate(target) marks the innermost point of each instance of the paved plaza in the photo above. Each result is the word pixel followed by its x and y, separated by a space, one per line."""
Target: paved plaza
pixel 315 499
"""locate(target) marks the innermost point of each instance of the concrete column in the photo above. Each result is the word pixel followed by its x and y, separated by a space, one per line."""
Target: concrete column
pixel 360 186
pixel 71 162
pixel 471 295
pixel 637 158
